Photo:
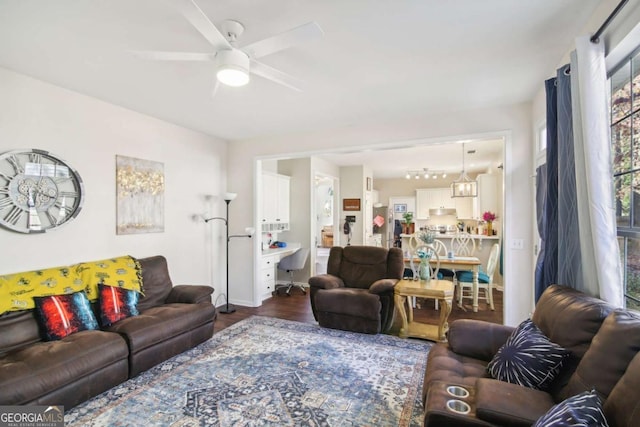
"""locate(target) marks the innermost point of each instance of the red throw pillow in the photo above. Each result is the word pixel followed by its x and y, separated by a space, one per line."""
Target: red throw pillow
pixel 116 304
pixel 62 315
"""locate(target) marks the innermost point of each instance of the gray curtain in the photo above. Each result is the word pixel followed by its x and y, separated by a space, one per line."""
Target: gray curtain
pixel 569 262
pixel 559 261
pixel 541 194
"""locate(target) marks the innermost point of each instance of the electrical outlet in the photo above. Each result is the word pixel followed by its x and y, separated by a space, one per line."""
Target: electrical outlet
pixel 517 244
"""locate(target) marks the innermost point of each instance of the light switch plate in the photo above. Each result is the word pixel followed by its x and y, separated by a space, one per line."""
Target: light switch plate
pixel 517 244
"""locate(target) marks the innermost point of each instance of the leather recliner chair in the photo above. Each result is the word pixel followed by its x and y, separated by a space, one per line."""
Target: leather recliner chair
pixel 356 294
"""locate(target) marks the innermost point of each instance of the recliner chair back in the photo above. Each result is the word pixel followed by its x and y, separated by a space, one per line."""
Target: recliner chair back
pixel 360 266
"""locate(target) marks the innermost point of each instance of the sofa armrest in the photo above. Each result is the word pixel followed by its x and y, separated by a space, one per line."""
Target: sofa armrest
pixel 326 281
pixel 477 338
pixel 503 403
pixel 382 286
pixel 190 294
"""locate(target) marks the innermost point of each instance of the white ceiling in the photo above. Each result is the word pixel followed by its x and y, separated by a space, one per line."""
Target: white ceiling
pixel 378 59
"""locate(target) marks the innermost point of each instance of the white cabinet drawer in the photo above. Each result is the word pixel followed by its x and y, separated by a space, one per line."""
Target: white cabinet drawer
pixel 269 262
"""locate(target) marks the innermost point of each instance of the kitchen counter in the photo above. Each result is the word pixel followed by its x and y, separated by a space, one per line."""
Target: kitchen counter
pixel 452 235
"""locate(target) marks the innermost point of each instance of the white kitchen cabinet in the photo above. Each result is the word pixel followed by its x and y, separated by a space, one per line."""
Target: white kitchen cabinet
pixel 275 202
pixel 464 207
pixel 487 199
pixel 432 198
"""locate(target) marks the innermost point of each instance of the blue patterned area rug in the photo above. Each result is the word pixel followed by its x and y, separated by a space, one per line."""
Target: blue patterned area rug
pixel 272 372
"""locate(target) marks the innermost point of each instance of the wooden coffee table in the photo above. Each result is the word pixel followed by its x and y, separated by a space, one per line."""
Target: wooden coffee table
pixel 442 290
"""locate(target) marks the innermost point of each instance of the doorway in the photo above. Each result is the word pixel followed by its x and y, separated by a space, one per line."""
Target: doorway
pixel 325 230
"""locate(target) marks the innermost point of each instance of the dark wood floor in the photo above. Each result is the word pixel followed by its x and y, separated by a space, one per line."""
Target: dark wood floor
pixel 297 307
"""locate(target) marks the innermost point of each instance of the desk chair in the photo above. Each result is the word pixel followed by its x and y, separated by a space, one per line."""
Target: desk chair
pixel 291 264
pixel 485 279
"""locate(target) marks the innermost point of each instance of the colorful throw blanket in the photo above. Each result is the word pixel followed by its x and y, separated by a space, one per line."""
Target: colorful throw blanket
pixel 17 290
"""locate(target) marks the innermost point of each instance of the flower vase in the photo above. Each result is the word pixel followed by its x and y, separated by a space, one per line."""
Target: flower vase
pixel 489 228
pixel 424 271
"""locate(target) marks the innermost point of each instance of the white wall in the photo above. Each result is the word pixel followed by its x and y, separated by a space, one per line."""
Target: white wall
pixel 88 133
pixel 511 122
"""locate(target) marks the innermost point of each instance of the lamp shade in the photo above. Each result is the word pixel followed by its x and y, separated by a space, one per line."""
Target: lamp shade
pixel 230 196
pixel 232 67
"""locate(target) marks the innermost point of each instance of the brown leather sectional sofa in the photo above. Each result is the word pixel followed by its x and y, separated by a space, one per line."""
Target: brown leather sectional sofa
pixel 603 343
pixel 84 364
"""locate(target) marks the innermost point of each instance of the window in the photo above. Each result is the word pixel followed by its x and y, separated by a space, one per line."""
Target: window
pixel 542 137
pixel 625 140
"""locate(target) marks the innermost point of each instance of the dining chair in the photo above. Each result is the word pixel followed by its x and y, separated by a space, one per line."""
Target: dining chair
pixel 463 244
pixel 443 273
pixel 485 279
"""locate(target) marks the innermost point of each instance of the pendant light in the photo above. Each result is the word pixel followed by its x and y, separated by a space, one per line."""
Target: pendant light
pixel 464 186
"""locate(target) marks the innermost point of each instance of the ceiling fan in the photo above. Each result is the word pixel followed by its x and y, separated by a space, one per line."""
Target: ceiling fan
pixel 233 64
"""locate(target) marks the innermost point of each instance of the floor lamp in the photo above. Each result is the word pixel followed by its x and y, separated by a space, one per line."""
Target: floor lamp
pixel 228 197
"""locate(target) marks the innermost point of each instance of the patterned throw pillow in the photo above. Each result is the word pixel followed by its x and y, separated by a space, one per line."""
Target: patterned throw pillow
pixel 584 409
pixel 528 358
pixel 116 304
pixel 62 315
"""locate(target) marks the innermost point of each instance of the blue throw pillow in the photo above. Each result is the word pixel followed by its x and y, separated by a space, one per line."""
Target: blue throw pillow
pixel 116 304
pixel 584 409
pixel 528 358
pixel 62 315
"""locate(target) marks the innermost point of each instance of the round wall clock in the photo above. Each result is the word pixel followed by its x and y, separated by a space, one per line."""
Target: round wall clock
pixel 38 191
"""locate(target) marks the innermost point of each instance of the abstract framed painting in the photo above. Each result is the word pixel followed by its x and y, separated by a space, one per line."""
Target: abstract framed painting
pixel 140 196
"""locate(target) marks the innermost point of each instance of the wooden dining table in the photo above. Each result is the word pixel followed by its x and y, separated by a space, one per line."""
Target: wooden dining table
pixel 459 263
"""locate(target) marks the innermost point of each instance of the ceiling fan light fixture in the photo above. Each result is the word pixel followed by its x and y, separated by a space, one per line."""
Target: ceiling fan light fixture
pixel 232 68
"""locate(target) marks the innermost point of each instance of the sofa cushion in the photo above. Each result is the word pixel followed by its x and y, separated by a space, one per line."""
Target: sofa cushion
pixel 355 302
pixel 156 282
pixel 161 323
pixel 584 409
pixel 116 304
pixel 613 347
pixel 360 266
pixel 62 315
pixel 622 407
pixel 570 318
pixel 19 329
pixel 528 358
pixel 36 370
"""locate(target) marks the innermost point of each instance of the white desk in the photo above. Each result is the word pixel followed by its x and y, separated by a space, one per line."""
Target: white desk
pixel 270 259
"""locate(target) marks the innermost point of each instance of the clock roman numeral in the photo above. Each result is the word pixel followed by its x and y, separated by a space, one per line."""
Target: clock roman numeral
pixel 72 194
pixel 13 161
pixel 64 209
pixel 14 215
pixel 4 190
pixel 5 202
pixel 52 219
pixel 35 157
pixel 60 180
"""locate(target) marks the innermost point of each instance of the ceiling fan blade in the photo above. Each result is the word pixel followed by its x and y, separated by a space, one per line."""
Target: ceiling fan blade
pixel 296 36
pixel 274 75
pixel 157 55
pixel 201 22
